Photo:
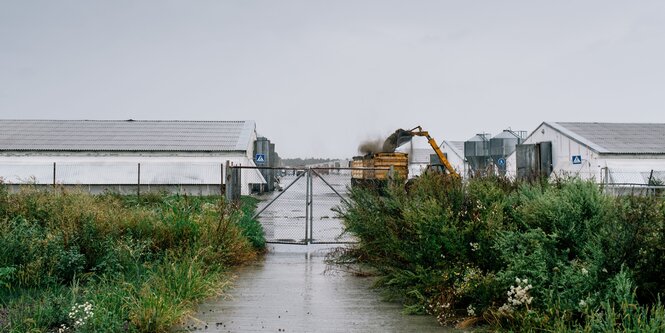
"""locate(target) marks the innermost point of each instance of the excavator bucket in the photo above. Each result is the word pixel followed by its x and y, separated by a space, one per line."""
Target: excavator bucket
pixel 397 139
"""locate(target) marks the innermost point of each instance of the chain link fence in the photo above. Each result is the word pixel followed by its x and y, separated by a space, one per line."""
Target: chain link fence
pixel 330 187
pixel 119 177
pixel 305 207
pixel 633 182
pixel 283 213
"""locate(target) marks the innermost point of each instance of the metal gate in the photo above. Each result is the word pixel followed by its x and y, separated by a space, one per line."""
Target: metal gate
pixel 302 208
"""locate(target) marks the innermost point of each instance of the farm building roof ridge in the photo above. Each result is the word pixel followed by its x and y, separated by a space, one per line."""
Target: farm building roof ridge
pixel 125 135
pixel 616 138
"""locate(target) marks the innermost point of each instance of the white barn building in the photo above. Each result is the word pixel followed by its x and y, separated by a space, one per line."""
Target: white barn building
pixel 454 151
pixel 420 152
pixel 615 153
pixel 112 155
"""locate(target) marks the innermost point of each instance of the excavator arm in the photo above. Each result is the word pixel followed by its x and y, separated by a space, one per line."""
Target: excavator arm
pixel 418 131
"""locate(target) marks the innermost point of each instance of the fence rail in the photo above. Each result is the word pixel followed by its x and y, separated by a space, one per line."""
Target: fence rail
pixel 126 177
pixel 211 177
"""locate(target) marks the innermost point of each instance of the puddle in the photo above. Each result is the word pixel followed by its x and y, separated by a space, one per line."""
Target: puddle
pixel 289 291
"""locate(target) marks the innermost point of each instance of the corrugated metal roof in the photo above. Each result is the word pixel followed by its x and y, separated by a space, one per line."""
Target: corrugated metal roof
pixel 616 138
pixel 125 135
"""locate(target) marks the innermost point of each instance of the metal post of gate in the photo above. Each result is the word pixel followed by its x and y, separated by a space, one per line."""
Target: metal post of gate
pixel 307 203
pixel 311 206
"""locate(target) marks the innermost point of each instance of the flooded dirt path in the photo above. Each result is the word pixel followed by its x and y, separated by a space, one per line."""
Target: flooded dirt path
pixel 291 292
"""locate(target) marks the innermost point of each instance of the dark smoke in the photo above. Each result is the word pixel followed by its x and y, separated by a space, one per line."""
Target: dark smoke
pixel 371 147
pixel 389 145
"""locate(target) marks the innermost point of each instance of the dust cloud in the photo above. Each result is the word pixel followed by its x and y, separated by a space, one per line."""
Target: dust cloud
pixel 370 147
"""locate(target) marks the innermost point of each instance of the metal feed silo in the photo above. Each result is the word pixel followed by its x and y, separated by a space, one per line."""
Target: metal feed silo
pixel 477 152
pixel 502 145
pixel 264 149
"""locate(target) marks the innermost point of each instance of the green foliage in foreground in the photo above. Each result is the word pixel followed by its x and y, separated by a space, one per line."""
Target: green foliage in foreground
pixel 528 257
pixel 73 262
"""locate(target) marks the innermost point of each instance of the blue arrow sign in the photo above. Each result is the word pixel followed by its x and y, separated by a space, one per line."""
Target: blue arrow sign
pixel 501 162
pixel 260 158
pixel 577 159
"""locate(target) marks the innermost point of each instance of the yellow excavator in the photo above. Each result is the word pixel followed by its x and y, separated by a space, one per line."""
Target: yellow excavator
pixel 402 136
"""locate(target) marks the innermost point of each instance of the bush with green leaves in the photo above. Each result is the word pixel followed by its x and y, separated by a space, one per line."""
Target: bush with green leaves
pixel 74 262
pixel 525 256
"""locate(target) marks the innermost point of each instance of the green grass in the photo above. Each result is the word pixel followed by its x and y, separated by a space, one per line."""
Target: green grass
pixel 591 262
pixel 142 263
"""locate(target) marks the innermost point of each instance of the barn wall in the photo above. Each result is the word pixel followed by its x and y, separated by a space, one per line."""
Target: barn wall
pixel 455 157
pixel 187 173
pixel 563 149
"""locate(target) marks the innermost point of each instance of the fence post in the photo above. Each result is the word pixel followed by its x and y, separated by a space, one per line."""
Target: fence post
pixel 54 175
pixel 311 205
pixel 138 183
pixel 221 179
pixel 307 205
pixel 607 176
pixel 229 186
pixel 604 181
pixel 237 182
pixel 232 183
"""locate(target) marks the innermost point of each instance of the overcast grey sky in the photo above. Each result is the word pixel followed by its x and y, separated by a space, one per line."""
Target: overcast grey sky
pixel 320 76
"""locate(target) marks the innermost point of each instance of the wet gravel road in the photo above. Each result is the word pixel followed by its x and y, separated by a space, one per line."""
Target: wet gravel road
pixel 291 292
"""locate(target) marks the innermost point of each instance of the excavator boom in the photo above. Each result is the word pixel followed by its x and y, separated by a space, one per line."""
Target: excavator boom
pixel 418 131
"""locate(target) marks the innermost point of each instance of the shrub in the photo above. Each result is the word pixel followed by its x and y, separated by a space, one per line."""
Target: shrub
pixel 140 264
pixel 468 250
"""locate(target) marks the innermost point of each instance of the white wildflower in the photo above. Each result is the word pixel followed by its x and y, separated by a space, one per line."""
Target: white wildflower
pixel 582 303
pixel 80 314
pixel 470 310
pixel 585 271
pixel 506 308
pixel 519 294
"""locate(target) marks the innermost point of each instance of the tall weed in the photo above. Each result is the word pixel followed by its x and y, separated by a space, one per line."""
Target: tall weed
pixel 138 264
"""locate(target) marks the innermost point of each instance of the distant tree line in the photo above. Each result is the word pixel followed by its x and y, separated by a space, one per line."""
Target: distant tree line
pixel 296 162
